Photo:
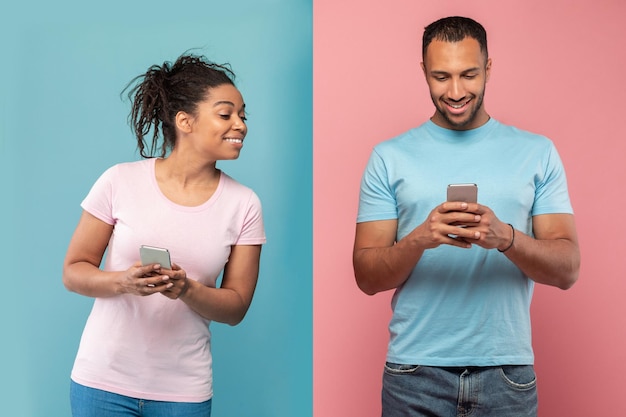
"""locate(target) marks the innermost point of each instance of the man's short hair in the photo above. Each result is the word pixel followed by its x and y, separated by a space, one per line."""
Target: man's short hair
pixel 454 29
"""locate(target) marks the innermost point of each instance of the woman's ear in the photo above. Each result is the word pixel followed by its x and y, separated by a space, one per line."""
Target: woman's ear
pixel 184 122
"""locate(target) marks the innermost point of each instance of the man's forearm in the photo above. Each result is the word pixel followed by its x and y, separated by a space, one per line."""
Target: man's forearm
pixel 554 262
pixel 382 269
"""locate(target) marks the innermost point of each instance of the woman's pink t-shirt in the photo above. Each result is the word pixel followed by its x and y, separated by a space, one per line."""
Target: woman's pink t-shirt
pixel 153 347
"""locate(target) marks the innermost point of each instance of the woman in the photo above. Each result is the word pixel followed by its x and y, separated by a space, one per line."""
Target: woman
pixel 145 349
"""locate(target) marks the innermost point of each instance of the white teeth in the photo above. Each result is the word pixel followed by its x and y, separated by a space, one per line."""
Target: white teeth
pixel 232 140
pixel 457 106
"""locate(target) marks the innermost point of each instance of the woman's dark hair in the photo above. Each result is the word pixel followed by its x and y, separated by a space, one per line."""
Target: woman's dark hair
pixel 455 29
pixel 159 94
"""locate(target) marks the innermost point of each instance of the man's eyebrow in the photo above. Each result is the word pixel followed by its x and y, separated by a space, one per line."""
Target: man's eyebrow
pixel 465 71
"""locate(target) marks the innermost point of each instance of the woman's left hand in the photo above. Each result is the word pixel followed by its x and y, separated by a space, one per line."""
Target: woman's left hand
pixel 178 279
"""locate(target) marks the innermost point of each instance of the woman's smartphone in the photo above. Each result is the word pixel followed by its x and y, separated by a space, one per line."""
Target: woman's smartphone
pixel 153 255
pixel 463 192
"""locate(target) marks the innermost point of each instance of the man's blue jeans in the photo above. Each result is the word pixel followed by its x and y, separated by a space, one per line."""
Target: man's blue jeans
pixel 90 402
pixel 500 391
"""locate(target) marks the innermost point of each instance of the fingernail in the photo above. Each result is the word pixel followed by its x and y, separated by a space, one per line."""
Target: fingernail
pixel 165 278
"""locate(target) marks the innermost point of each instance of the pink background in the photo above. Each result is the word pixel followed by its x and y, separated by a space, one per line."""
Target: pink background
pixel 559 68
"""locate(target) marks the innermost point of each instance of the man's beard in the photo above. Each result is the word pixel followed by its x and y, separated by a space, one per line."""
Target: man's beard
pixel 462 124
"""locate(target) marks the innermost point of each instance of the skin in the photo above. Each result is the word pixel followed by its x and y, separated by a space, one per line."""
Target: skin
pixel 187 177
pixel 456 74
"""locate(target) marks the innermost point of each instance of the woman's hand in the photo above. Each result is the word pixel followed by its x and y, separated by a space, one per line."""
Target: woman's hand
pixel 177 282
pixel 145 280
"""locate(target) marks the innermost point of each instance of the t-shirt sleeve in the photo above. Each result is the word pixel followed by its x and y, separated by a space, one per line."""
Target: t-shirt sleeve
pixel 377 200
pixel 253 230
pixel 551 195
pixel 99 199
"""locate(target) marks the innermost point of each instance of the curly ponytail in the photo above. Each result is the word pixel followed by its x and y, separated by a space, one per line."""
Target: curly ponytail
pixel 159 94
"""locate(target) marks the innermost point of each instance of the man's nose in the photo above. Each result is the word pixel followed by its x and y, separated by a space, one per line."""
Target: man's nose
pixel 456 90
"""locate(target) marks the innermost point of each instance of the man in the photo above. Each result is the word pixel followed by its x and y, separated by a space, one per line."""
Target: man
pixel 463 273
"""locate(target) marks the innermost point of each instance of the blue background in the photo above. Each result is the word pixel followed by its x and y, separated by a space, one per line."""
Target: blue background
pixel 63 122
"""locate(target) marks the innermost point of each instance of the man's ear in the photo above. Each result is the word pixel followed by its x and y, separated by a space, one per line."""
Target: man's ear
pixel 184 122
pixel 423 68
pixel 488 69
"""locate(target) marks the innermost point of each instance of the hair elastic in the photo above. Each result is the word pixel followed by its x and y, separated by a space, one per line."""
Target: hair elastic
pixel 512 240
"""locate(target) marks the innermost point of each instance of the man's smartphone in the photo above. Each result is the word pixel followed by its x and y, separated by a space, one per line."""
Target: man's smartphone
pixel 463 192
pixel 153 255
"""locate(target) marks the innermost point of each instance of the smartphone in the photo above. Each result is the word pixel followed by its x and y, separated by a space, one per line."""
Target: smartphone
pixel 153 255
pixel 463 192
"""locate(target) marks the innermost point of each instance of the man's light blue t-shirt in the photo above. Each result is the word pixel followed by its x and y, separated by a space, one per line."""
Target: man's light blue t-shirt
pixel 463 307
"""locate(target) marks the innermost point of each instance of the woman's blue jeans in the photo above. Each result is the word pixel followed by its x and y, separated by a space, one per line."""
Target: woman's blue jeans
pixel 90 402
pixel 499 391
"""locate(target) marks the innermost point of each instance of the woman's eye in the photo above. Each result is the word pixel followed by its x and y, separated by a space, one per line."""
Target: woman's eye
pixel 243 117
pixel 225 116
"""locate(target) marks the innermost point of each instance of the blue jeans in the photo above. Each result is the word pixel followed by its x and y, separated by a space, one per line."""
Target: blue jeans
pixel 499 391
pixel 91 402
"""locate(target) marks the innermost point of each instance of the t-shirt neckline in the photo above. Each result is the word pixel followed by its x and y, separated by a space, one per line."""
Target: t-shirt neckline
pixel 210 201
